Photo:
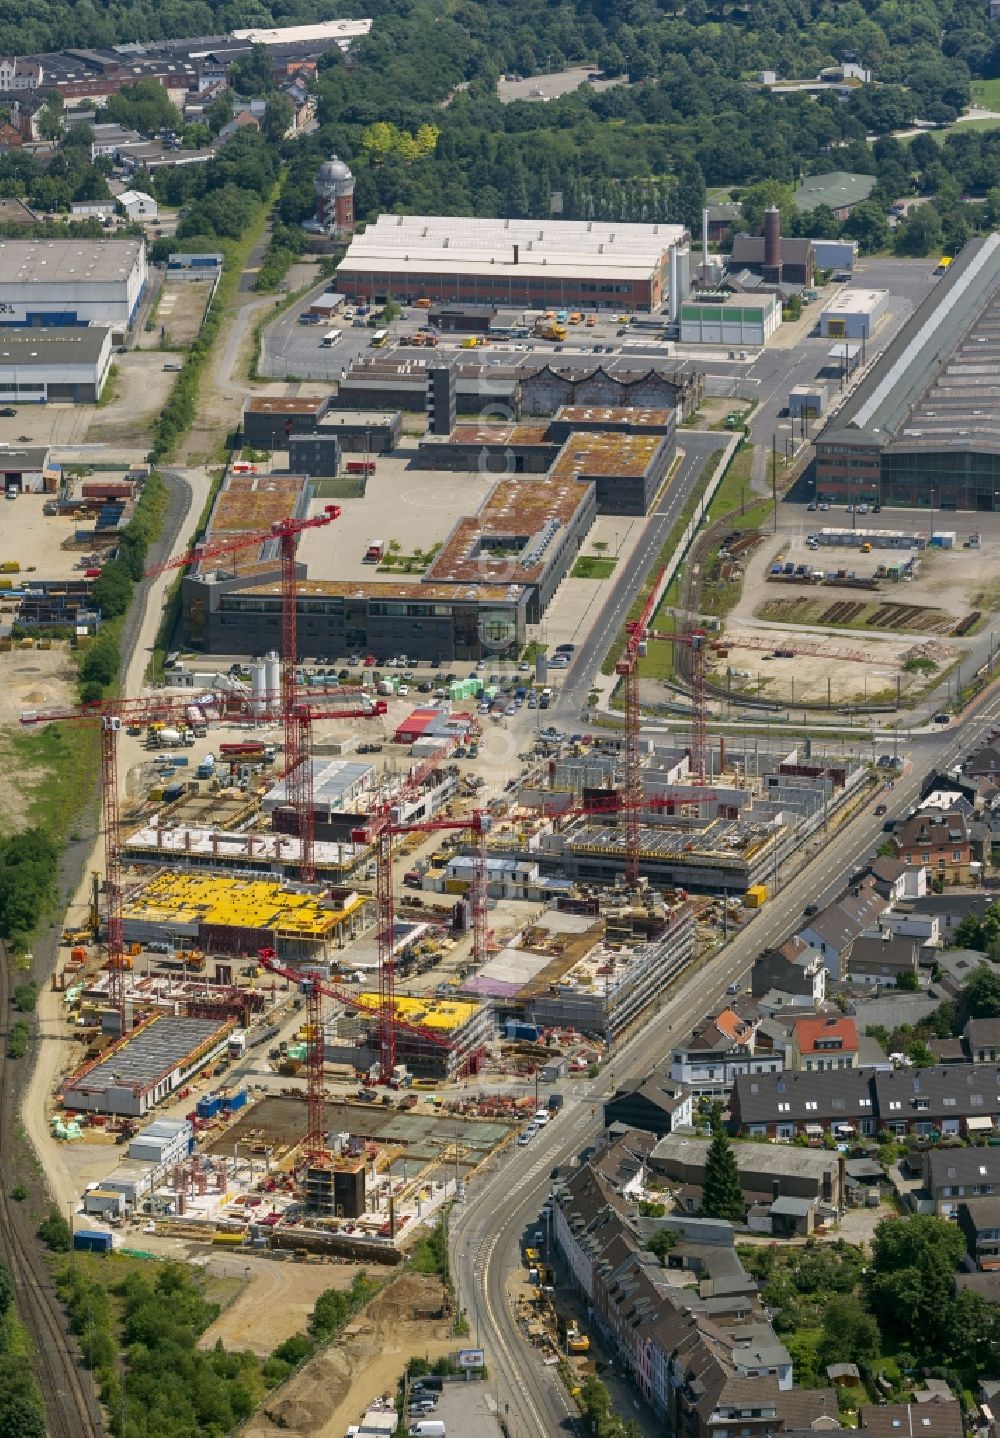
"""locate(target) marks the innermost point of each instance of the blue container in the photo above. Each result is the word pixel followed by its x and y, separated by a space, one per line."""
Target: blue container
pixel 518 1030
pixel 208 1106
pixel 91 1240
pixel 237 1100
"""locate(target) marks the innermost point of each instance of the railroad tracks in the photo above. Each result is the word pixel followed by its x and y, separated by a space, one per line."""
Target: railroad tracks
pixel 71 1406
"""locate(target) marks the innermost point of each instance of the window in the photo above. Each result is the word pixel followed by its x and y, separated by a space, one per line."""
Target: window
pixel 956 855
pixel 894 1103
pixel 784 1108
pixel 811 1105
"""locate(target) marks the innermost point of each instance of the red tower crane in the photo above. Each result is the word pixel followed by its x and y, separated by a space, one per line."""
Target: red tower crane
pixel 638 633
pixel 297 721
pixel 314 990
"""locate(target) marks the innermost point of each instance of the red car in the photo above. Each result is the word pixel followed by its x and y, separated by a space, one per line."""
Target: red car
pixel 369 661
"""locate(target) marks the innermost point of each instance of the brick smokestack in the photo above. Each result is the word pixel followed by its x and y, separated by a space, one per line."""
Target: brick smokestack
pixel 772 244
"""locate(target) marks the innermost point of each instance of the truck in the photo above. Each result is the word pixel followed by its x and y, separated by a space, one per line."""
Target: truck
pixel 548 329
pixel 374 552
pixel 206 768
pixel 165 737
pixel 360 466
pixel 237 1043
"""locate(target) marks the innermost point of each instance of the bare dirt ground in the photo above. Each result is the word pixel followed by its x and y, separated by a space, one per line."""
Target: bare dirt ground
pixel 368 1360
pixel 141 389
pixel 29 679
pixel 180 312
pixel 275 1304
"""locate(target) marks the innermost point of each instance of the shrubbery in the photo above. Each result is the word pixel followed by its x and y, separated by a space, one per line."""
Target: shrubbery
pixel 28 862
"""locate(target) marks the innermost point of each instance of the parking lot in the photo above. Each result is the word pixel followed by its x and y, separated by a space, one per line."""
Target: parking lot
pixel 467 1408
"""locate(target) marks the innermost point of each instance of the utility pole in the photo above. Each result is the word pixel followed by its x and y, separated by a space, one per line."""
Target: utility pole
pixel 774 478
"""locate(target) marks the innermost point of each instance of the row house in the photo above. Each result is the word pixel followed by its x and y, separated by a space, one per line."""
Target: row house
pixel 782 1106
pixel 948 1098
pixel 979 1220
pixel 956 1175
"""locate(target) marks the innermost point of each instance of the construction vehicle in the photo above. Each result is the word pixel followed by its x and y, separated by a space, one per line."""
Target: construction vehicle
pixel 550 329
pixel 577 1341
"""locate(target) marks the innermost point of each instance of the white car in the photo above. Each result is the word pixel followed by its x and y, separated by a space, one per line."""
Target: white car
pixel 403 690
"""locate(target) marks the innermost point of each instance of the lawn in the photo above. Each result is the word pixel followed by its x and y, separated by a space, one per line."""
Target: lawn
pixel 58 767
pixel 593 566
pixel 986 94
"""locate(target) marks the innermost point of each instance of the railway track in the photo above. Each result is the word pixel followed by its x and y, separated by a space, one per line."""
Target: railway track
pixel 71 1407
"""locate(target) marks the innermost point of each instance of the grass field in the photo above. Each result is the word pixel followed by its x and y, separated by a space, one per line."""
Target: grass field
pixel 592 566
pixel 986 94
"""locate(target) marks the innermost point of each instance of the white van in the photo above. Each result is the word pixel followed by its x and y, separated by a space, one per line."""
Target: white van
pixel 428 1428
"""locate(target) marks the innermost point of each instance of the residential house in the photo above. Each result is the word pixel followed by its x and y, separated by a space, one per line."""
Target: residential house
pixel 834 930
pixel 587 1202
pixel 889 878
pixel 985 762
pixel 939 841
pixel 624 1160
pixel 954 1174
pixel 17 75
pixel 987 1285
pixel 784 1105
pixel 946 1099
pixel 951 909
pixel 718 1050
pixel 883 960
pixel 954 967
pixel 659 1105
pixel 823 1043
pixel 979 1220
pixel 982 1040
pixel 792 968
pixel 940 1418
pixel 10 137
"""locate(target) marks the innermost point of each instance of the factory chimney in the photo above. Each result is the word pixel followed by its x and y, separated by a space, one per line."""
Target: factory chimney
pixel 772 245
pixel 704 246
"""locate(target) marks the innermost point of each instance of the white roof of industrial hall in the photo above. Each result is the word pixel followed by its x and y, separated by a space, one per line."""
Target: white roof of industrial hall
pixel 447 243
pixel 66 262
pixel 855 302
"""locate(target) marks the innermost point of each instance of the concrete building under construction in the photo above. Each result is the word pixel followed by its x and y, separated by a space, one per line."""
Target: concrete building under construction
pixel 242 915
pixel 593 972
pixel 462 1027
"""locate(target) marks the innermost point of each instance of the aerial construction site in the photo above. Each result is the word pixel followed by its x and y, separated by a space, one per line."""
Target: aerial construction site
pixel 327 969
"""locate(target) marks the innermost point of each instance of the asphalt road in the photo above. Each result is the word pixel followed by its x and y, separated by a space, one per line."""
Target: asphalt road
pixel 487 1232
pixel 698 446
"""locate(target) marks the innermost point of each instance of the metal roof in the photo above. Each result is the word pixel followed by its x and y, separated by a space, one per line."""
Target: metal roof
pixel 67 262
pixel 61 345
pixel 935 386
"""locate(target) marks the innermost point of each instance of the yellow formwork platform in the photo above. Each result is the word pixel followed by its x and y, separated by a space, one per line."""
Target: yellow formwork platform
pixel 444 1014
pixel 185 898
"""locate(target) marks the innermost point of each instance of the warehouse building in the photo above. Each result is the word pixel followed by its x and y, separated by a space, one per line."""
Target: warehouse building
pixel 59 363
pixel 147 1066
pixel 853 314
pixel 573 264
pixel 723 318
pixel 922 427
pixel 71 282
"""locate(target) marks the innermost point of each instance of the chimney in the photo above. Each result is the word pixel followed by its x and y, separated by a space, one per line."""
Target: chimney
pixel 704 245
pixel 772 244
